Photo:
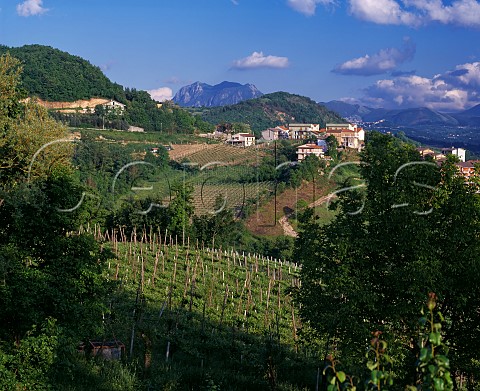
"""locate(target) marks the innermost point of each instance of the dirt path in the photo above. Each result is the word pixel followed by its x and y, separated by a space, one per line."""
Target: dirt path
pixel 287 227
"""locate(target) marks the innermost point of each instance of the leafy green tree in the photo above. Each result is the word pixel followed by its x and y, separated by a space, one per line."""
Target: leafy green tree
pixel 332 145
pixel 49 273
pixel 413 230
pixel 180 210
pixel 218 229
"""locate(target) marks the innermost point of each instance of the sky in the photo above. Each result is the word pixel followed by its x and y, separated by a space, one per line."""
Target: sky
pixel 380 53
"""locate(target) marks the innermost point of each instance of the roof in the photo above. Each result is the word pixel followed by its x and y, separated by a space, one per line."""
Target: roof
pixel 468 164
pixel 310 146
pixel 246 135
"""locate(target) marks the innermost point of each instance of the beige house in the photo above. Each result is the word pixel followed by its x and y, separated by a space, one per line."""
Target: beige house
pixel 347 135
pixel 309 149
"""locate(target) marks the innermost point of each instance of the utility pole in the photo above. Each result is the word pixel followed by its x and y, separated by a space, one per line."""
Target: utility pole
pixel 276 180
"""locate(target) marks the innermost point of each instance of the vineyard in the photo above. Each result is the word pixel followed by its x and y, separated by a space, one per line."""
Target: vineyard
pixel 227 154
pixel 207 315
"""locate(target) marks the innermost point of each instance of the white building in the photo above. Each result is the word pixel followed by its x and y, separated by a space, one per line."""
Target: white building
pixel 301 131
pixel 458 152
pixel 309 149
pixel 242 140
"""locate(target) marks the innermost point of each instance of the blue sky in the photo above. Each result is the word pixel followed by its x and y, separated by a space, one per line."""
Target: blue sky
pixel 384 53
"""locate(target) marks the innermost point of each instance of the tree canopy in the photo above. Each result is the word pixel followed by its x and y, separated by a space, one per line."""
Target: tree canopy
pixel 413 229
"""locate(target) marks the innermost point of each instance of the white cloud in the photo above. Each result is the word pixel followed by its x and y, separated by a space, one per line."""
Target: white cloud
pixel 161 94
pixel 307 7
pixel 31 8
pixel 383 12
pixel 259 60
pixel 403 12
pixel 384 61
pixel 453 90
pixel 461 12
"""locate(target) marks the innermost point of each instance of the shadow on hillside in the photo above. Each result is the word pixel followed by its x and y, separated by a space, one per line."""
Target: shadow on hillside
pixel 184 350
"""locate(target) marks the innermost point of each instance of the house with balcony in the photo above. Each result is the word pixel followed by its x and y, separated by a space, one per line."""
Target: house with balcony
pixel 310 149
pixel 302 131
pixel 277 133
pixel 241 140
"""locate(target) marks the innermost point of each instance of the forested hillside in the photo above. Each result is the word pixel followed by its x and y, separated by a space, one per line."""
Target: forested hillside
pixel 270 110
pixel 54 75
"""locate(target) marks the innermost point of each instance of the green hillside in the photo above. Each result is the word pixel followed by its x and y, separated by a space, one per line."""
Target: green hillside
pixel 271 110
pixel 54 75
pixel 193 317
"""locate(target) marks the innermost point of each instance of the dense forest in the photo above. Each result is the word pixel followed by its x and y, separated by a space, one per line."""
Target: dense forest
pixel 270 110
pixel 54 75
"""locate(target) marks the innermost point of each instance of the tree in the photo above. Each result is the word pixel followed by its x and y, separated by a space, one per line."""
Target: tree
pixel 332 145
pixel 49 273
pixel 180 210
pixel 31 143
pixel 218 229
pixel 413 230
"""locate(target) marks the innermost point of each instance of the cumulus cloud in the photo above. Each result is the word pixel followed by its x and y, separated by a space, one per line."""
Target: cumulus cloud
pixel 31 8
pixel 259 60
pixel 383 12
pixel 457 89
pixel 161 94
pixel 403 12
pixel 307 7
pixel 461 12
pixel 384 61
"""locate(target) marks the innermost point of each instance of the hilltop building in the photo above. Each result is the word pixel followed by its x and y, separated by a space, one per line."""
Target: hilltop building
pixel 302 131
pixel 347 135
pixel 468 169
pixel 277 133
pixel 241 140
pixel 458 152
pixel 310 149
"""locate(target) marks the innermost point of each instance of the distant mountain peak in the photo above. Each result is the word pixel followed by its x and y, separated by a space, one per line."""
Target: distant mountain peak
pixel 200 94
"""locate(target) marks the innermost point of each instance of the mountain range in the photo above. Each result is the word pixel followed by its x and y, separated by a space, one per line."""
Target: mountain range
pixel 420 116
pixel 205 95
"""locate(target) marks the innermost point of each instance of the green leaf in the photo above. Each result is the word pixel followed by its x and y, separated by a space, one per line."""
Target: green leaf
pixel 435 338
pixel 331 387
pixel 438 384
pixel 341 376
pixel 372 365
pixel 424 354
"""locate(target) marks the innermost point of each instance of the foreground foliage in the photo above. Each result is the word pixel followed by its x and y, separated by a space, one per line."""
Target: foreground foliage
pixel 414 229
